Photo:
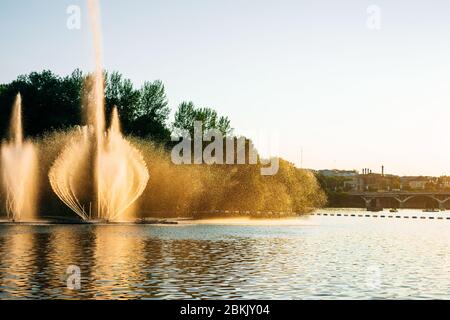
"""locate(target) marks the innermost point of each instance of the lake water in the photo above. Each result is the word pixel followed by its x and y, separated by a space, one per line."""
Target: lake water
pixel 312 257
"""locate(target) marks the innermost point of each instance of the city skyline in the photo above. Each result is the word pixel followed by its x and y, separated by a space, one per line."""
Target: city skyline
pixel 348 95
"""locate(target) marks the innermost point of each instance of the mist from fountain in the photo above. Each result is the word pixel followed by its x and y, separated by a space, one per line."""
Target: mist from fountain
pixel 19 169
pixel 99 175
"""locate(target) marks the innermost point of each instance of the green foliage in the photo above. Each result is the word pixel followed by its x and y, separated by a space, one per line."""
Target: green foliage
pixel 153 101
pixel 152 112
pixel 119 92
pixel 187 114
pixel 144 112
pixel 49 101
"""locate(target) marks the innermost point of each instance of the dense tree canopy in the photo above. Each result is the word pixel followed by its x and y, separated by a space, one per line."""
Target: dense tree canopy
pixel 51 102
pixel 143 112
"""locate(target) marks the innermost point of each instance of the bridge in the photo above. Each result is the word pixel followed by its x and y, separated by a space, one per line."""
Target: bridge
pixel 402 197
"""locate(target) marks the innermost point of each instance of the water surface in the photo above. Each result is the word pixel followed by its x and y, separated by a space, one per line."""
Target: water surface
pixel 304 258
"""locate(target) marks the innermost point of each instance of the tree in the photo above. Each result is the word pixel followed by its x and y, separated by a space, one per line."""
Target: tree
pixel 49 102
pixel 153 101
pixel 187 114
pixel 152 112
pixel 119 92
pixel 143 112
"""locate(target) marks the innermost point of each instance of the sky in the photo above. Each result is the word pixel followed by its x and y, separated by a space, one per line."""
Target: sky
pixel 312 75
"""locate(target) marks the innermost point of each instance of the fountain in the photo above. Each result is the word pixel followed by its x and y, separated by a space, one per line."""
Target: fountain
pixel 99 174
pixel 19 169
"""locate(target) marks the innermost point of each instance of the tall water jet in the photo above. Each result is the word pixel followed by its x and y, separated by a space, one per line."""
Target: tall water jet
pixel 19 169
pixel 95 110
pixel 99 175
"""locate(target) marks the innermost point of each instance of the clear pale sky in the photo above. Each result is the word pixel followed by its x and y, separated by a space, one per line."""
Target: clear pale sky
pixel 309 72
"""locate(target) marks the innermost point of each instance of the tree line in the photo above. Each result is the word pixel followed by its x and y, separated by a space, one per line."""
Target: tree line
pixel 51 102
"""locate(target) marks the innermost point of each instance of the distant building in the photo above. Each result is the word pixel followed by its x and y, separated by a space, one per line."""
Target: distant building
pixel 415 183
pixel 366 181
pixel 444 182
pixel 338 173
pixel 340 180
pixel 352 184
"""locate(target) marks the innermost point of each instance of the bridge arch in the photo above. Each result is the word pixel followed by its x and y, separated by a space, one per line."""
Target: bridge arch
pixel 402 200
pixel 438 198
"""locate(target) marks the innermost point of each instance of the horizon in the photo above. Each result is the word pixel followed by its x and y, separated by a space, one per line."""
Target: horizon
pixel 307 87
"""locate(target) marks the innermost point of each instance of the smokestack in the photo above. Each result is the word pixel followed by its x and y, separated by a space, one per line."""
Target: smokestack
pixel 382 171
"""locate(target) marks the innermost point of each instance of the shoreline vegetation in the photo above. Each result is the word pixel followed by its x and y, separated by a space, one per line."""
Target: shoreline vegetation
pixel 52 111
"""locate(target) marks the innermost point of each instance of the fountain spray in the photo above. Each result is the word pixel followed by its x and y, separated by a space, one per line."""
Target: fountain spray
pixel 116 170
pixel 19 169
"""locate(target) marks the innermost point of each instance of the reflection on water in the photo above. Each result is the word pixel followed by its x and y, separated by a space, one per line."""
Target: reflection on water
pixel 315 257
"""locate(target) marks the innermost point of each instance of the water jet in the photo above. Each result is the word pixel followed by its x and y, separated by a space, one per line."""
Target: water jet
pixel 19 169
pixel 99 174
